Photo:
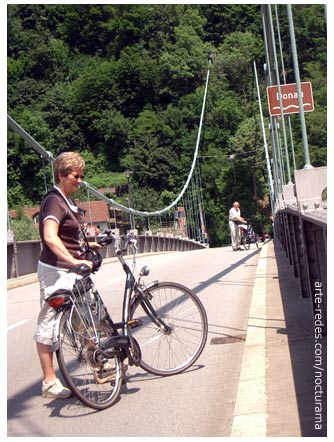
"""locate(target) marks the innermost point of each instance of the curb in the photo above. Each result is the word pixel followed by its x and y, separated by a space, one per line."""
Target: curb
pixel 21 281
pixel 32 277
pixel 250 414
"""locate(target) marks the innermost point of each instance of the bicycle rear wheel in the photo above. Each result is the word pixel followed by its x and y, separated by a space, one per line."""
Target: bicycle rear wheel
pixel 168 351
pixel 80 362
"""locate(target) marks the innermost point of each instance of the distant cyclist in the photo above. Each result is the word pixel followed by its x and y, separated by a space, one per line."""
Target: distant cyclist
pixel 235 219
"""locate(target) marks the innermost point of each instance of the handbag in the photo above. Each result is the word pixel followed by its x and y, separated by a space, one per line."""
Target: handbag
pixel 91 254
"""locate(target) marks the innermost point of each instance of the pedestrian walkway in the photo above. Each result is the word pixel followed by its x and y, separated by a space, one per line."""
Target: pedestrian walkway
pixel 282 390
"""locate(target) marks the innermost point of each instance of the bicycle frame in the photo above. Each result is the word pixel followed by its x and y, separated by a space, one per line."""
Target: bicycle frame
pixel 132 291
pixel 91 347
pixel 121 339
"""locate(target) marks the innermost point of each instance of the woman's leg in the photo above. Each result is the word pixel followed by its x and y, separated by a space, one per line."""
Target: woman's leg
pixel 46 360
pixel 44 333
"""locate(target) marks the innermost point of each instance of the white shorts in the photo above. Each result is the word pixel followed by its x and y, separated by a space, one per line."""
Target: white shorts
pixel 47 276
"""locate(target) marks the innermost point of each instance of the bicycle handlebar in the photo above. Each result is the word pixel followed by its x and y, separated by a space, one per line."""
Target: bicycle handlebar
pixel 120 242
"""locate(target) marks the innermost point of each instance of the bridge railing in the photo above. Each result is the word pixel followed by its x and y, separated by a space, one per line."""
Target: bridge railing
pixel 300 225
pixel 22 256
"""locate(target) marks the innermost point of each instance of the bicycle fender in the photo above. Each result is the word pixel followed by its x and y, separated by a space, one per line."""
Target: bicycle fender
pixel 55 337
pixel 152 284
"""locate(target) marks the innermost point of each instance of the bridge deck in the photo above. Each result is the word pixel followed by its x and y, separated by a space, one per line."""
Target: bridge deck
pixel 283 361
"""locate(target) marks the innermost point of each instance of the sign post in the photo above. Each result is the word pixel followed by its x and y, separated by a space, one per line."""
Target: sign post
pixel 289 96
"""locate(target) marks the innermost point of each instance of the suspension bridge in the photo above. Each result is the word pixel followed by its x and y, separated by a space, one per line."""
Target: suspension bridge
pixel 276 392
pixel 189 219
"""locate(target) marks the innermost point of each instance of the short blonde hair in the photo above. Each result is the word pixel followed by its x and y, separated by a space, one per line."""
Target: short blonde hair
pixel 66 162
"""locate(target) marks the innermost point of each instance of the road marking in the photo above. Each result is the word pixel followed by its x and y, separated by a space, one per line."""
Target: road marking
pixel 17 324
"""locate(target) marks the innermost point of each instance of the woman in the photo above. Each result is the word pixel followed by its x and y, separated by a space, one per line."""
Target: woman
pixel 62 248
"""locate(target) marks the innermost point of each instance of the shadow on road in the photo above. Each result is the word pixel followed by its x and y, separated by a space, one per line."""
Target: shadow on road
pixel 204 284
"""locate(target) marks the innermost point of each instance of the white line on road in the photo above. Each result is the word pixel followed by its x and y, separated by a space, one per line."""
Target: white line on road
pixel 17 324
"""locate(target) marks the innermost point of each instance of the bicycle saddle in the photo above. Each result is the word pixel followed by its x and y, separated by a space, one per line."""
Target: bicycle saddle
pixel 81 269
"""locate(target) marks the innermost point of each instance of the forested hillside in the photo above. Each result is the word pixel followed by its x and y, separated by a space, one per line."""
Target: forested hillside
pixel 123 84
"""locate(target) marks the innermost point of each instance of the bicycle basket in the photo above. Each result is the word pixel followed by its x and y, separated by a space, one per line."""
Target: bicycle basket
pixel 82 285
pixel 88 313
pixel 83 306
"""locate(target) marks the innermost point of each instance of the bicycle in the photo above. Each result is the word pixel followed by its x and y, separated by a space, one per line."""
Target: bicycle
pixel 247 235
pixel 163 330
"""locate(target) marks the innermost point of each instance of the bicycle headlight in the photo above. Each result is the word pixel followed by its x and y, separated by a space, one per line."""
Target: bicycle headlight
pixel 145 271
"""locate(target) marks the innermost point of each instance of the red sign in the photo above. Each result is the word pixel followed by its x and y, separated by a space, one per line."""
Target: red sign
pixel 289 96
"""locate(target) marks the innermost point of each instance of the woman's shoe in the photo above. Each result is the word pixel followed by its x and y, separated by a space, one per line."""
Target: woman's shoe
pixel 55 390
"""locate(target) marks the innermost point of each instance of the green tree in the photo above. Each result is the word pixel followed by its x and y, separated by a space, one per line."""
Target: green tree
pixel 235 59
pixel 222 20
pixel 123 84
pixel 147 158
pixel 23 227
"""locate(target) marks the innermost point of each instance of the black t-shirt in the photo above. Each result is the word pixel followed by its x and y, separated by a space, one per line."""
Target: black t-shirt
pixel 55 206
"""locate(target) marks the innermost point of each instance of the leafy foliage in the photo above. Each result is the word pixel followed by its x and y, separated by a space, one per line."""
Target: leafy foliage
pixel 123 85
pixel 23 227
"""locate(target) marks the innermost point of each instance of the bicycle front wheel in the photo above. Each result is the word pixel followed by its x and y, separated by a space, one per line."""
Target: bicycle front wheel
pixel 176 343
pixel 93 381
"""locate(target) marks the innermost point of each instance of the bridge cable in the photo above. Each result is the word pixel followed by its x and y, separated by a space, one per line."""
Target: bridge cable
pixel 49 157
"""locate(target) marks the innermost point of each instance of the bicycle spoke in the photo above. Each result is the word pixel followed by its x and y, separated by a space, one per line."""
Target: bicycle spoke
pixel 170 351
pixel 80 366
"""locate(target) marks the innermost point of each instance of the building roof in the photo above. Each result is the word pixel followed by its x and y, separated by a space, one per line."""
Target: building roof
pixel 96 211
pixel 32 212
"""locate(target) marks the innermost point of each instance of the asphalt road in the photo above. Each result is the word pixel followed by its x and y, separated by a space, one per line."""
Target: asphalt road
pixel 199 402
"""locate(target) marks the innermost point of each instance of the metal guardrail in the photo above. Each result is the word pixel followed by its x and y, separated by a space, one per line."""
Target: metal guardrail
pixel 22 256
pixel 300 225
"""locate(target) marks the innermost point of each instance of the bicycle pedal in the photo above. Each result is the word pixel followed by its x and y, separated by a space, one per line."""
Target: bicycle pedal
pixel 133 323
